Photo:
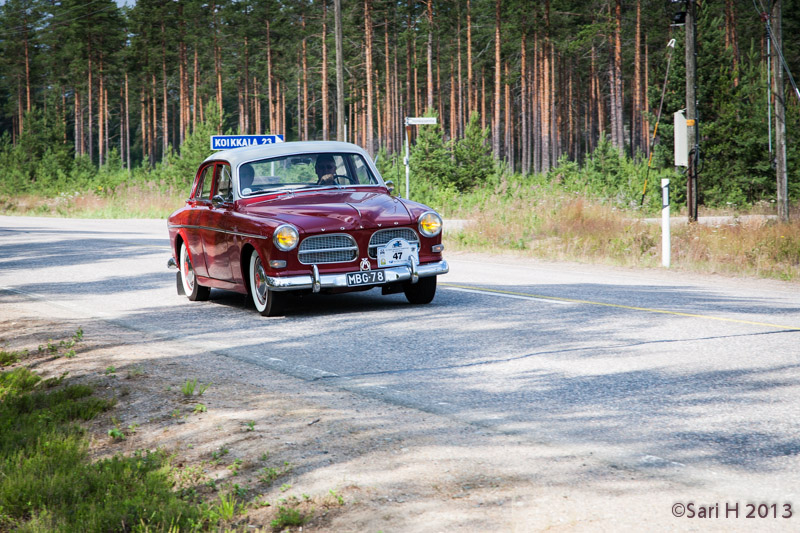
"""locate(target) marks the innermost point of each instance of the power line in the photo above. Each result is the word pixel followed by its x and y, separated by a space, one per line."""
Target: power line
pixel 764 14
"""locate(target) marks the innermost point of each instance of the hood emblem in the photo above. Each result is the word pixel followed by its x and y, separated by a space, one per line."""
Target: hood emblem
pixel 365 264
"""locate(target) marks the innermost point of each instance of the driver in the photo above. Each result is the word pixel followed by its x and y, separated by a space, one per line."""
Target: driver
pixel 246 176
pixel 326 170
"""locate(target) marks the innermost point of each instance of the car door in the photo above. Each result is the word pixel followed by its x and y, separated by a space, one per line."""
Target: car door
pixel 199 203
pixel 217 232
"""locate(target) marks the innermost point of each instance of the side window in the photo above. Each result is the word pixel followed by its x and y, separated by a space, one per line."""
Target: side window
pixel 206 180
pixel 362 171
pixel 224 183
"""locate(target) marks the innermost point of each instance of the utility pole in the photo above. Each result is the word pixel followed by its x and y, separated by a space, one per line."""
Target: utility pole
pixel 691 109
pixel 774 27
pixel 341 133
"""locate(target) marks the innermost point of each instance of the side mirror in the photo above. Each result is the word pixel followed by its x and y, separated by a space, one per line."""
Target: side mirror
pixel 390 186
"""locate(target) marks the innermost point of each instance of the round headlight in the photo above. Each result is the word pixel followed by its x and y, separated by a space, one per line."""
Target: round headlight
pixel 286 237
pixel 430 224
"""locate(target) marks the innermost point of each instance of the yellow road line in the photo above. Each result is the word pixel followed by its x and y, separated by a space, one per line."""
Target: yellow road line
pixel 619 306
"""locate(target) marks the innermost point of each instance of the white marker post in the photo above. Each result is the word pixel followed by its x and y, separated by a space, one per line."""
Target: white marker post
pixel 665 236
pixel 413 121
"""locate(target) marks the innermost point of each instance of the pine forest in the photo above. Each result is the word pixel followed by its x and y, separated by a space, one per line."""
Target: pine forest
pixel 537 86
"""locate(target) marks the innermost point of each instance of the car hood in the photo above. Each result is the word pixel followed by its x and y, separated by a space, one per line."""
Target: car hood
pixel 334 210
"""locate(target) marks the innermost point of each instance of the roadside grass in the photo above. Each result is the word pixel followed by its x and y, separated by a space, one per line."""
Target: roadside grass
pixel 135 200
pixel 556 225
pixel 48 482
pixel 531 217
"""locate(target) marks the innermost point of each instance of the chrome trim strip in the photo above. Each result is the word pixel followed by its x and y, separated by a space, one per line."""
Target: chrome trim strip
pixel 235 233
pixel 332 281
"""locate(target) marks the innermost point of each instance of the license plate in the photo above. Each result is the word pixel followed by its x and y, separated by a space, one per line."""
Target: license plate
pixel 398 252
pixel 367 277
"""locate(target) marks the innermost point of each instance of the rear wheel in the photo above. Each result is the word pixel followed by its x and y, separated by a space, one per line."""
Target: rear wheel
pixel 191 288
pixel 421 292
pixel 267 302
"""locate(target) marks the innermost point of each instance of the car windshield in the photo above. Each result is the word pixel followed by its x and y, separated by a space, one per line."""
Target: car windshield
pixel 293 172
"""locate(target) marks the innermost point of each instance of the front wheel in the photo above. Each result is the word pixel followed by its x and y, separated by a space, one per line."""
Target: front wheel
pixel 421 292
pixel 267 302
pixel 191 288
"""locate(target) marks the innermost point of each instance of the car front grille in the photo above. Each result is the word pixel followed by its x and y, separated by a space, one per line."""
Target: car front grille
pixel 381 237
pixel 336 248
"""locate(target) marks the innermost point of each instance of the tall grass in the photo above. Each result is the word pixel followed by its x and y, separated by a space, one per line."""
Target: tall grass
pixel 128 200
pixel 553 224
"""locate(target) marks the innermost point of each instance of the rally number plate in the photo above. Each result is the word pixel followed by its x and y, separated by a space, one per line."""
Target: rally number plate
pixel 398 252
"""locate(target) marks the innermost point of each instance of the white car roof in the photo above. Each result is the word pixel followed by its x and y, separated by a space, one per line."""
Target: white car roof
pixel 237 156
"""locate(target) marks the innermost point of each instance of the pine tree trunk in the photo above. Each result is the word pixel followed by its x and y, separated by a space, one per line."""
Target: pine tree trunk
pixel 645 101
pixel 387 120
pixel 91 110
pixel 368 122
pixel 272 126
pixel 460 111
pixel 452 102
pixel 195 82
pixel 165 116
pixel 305 80
pixel 325 104
pixel 618 97
pixel 546 112
pixel 483 99
pixel 246 102
pixel 636 111
pixel 731 39
pixel 217 67
pixel 340 110
pixel 429 104
pixel 27 66
pixel 536 103
pixel 182 81
pixel 100 118
pixel 497 80
pixel 154 122
pixel 470 100
pixel 127 126
pixel 77 124
pixel 523 78
pixel 508 136
pixel 780 112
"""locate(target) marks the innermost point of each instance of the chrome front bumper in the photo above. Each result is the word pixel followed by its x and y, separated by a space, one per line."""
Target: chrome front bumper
pixel 316 281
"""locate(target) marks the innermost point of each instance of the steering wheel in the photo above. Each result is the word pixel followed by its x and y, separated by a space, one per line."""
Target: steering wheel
pixel 336 178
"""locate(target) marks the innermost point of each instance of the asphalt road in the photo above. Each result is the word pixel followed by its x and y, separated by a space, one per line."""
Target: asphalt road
pixel 694 375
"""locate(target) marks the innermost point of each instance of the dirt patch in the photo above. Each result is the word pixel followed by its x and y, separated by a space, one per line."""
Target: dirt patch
pixel 346 462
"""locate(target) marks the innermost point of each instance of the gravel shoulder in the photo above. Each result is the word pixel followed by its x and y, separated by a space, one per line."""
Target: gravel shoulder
pixel 350 462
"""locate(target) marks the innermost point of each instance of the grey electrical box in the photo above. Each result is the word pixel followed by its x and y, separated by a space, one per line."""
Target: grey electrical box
pixel 681 140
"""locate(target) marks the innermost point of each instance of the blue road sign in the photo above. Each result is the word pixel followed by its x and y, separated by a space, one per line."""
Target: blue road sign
pixel 225 142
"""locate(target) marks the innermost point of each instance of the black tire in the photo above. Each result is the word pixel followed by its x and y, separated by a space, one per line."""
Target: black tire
pixel 179 284
pixel 266 301
pixel 421 292
pixel 193 290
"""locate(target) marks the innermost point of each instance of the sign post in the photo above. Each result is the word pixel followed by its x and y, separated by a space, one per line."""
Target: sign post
pixel 413 121
pixel 665 235
pixel 226 142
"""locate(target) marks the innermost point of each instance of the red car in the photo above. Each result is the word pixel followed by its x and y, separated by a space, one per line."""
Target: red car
pixel 301 217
